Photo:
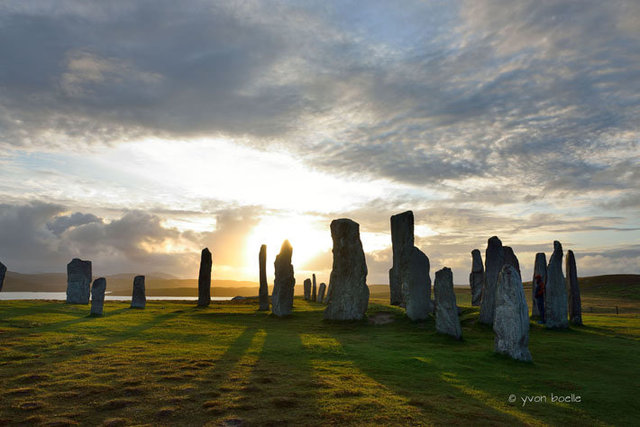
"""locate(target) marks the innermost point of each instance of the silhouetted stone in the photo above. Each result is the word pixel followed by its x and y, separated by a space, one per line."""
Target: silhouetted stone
pixel 402 245
pixel 511 259
pixel 322 289
pixel 307 289
pixel 3 271
pixel 349 293
pixel 555 298
pixel 511 321
pixel 97 296
pixel 447 320
pixel 476 277
pixel 494 260
pixel 417 286
pixel 575 308
pixel 204 279
pixel 78 281
pixel 284 282
pixel 539 268
pixel 264 288
pixel 314 295
pixel 138 298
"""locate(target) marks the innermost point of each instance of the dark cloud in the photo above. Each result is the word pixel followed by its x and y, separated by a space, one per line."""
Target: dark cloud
pixel 62 223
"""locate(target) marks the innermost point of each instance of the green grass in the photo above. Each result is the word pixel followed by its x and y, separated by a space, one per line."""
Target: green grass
pixel 174 364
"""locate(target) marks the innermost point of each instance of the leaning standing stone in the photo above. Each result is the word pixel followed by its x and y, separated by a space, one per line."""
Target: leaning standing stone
pixel 138 299
pixel 417 286
pixel 314 294
pixel 284 282
pixel 511 322
pixel 476 277
pixel 97 296
pixel 307 289
pixel 539 268
pixel 349 293
pixel 264 288
pixel 511 259
pixel 494 260
pixel 3 271
pixel 555 298
pixel 321 291
pixel 204 279
pixel 447 320
pixel 78 281
pixel 402 245
pixel 575 308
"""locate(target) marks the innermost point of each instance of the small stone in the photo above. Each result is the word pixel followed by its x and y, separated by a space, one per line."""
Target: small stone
pixel 402 241
pixel 416 287
pixel 284 282
pixel 555 298
pixel 575 307
pixel 476 277
pixel 3 271
pixel 138 298
pixel 447 320
pixel 78 281
pixel 314 295
pixel 264 288
pixel 204 279
pixel 307 289
pixel 97 296
pixel 539 268
pixel 321 292
pixel 494 260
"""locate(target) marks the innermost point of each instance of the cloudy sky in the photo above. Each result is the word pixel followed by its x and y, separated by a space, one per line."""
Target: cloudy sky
pixel 135 133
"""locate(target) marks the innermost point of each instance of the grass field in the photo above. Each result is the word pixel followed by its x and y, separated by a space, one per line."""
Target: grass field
pixel 174 364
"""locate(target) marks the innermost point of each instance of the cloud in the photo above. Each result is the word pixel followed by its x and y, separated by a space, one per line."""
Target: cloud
pixel 62 223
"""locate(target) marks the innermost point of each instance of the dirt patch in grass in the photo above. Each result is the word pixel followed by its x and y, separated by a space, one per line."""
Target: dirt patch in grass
pixel 381 318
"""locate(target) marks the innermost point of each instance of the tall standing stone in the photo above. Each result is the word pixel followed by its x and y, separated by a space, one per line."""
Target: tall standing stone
pixel 476 277
pixel 494 260
pixel 138 298
pixel 3 271
pixel 575 307
pixel 78 281
pixel 204 279
pixel 511 322
pixel 264 288
pixel 97 296
pixel 322 289
pixel 417 286
pixel 402 244
pixel 539 268
pixel 511 259
pixel 284 282
pixel 349 293
pixel 307 289
pixel 447 320
pixel 314 294
pixel 555 297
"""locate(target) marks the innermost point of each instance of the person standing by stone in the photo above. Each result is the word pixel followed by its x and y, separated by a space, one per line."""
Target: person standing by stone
pixel 538 296
pixel 575 307
pixel 476 277
pixel 539 269
pixel 284 282
pixel 511 322
pixel 263 295
pixel 494 260
pixel 416 287
pixel 204 279
pixel 138 298
pixel 97 296
pixel 321 292
pixel 447 320
pixel 78 281
pixel 402 241
pixel 3 271
pixel 314 294
pixel 349 293
pixel 307 289
pixel 555 301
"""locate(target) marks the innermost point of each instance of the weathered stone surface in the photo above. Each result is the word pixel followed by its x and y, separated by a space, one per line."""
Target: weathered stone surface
pixel 511 322
pixel 78 281
pixel 539 267
pixel 204 279
pixel 97 296
pixel 447 320
pixel 349 293
pixel 555 298
pixel 402 244
pixel 314 294
pixel 416 286
pixel 575 307
pixel 511 259
pixel 327 297
pixel 138 298
pixel 307 289
pixel 264 288
pixel 3 271
pixel 494 260
pixel 322 289
pixel 476 277
pixel 284 282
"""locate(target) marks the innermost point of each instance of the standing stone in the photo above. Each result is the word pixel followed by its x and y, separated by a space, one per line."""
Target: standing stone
pixel 540 267
pixel 494 260
pixel 349 293
pixel 402 245
pixel 314 294
pixel 575 308
pixel 97 296
pixel 511 259
pixel 264 288
pixel 476 277
pixel 327 297
pixel 284 282
pixel 204 279
pixel 138 299
pixel 447 320
pixel 78 281
pixel 417 286
pixel 307 289
pixel 3 271
pixel 555 298
pixel 321 291
pixel 511 322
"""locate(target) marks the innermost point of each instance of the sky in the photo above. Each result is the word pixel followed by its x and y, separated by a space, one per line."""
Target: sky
pixel 136 133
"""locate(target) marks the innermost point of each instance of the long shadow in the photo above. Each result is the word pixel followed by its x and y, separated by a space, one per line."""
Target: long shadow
pixel 9 312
